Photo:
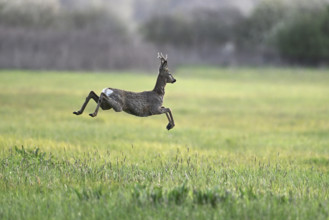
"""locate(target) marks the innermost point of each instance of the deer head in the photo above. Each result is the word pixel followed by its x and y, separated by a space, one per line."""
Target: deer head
pixel 164 71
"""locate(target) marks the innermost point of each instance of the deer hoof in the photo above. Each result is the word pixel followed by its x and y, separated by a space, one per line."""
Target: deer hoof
pixel 170 126
pixel 92 114
pixel 77 113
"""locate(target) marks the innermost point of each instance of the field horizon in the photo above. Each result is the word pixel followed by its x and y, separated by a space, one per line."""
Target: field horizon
pixel 249 143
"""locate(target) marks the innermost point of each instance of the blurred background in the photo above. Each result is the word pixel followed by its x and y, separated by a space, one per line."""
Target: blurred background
pixel 127 34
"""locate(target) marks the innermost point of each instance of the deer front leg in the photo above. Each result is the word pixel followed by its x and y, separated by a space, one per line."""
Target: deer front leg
pixel 168 113
pixel 92 95
pixel 171 123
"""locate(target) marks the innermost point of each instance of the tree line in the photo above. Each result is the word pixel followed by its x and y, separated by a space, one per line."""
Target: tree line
pixel 275 32
pixel 295 34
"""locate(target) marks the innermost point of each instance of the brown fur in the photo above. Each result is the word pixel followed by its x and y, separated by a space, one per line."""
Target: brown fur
pixel 140 104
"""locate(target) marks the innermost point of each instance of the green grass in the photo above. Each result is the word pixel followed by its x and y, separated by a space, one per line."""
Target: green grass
pixel 248 144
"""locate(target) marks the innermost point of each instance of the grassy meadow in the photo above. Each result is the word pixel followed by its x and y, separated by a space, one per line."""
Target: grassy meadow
pixel 249 143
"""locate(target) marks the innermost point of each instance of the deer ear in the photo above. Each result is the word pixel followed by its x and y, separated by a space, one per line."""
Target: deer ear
pixel 163 63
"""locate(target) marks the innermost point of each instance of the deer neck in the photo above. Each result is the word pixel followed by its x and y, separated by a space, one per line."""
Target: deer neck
pixel 160 85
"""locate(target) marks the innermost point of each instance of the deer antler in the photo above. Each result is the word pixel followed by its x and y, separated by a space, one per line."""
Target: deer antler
pixel 161 57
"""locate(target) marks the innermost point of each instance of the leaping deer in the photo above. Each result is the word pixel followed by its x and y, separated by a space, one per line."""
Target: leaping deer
pixel 140 104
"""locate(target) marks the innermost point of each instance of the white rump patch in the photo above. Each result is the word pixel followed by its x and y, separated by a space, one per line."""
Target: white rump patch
pixel 107 91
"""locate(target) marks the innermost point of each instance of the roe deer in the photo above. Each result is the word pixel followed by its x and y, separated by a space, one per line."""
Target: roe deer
pixel 141 104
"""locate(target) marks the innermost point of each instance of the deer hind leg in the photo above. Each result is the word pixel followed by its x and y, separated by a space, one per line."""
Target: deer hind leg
pixel 106 102
pixel 92 95
pixel 168 113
